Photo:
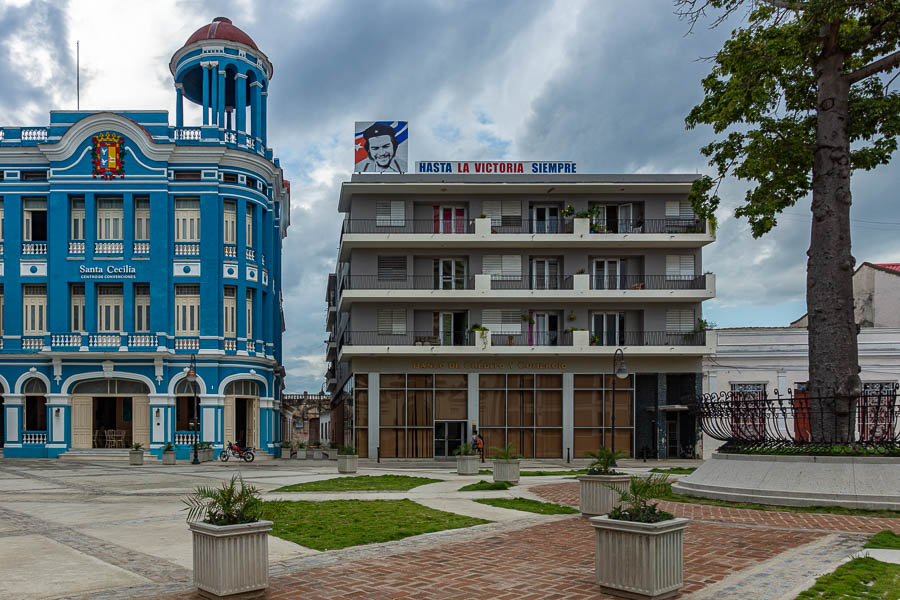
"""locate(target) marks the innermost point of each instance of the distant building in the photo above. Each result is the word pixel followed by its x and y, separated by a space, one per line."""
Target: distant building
pixel 301 414
pixel 773 360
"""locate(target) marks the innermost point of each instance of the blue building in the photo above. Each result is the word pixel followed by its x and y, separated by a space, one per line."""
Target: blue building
pixel 129 246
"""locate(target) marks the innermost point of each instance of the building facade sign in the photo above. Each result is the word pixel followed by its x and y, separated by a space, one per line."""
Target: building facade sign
pixel 108 272
pixel 498 167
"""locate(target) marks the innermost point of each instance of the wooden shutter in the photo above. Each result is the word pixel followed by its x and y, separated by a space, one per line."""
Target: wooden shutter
pixel 680 320
pixel 391 268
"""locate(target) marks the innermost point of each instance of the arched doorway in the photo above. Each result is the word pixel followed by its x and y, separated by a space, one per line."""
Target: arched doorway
pixel 186 411
pixel 242 412
pixel 110 413
pixel 35 392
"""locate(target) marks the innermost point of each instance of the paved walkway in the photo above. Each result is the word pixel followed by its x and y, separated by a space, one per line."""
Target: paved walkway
pixel 111 531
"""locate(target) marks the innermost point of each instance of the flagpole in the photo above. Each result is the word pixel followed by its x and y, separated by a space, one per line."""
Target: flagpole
pixel 78 74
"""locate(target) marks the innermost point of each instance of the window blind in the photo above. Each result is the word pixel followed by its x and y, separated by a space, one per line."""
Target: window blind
pixel 679 266
pixel 390 213
pixel 679 209
pixel 497 264
pixel 680 320
pixel 502 320
pixel 391 320
pixel 391 268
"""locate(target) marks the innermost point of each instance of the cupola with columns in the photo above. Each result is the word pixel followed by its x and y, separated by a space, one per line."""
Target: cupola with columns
pixel 221 69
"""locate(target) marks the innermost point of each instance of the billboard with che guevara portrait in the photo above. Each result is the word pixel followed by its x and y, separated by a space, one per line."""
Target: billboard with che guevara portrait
pixel 381 147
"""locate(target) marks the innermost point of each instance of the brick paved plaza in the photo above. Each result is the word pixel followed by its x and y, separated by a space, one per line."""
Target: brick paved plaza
pixel 107 531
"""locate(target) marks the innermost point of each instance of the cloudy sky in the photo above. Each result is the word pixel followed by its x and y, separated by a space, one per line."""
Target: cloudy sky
pixel 606 84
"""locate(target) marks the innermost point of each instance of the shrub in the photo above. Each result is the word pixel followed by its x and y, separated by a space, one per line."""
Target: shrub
pixel 603 462
pixel 347 450
pixel 169 447
pixel 507 452
pixel 465 450
pixel 137 446
pixel 636 501
pixel 301 444
pixel 227 505
pixel 285 444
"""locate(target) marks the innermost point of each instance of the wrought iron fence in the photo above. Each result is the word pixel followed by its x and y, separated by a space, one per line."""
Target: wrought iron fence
pixel 798 423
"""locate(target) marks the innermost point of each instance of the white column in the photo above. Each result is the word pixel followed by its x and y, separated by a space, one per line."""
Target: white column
pixel 56 423
pixel 374 413
pixel 568 415
pixel 14 405
pixel 472 403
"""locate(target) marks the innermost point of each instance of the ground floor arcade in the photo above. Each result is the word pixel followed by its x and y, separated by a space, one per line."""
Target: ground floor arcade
pixel 46 410
pixel 554 409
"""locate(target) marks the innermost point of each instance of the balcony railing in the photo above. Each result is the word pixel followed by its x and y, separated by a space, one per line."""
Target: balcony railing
pixel 414 282
pixel 76 247
pixel 184 438
pixel 230 344
pixel 187 249
pixel 34 248
pixel 640 225
pixel 649 282
pixel 251 347
pixel 34 437
pixel 72 340
pixel 143 341
pixel 408 226
pixel 650 338
pixel 520 225
pixel 410 338
pixel 141 248
pixel 37 134
pixel 32 342
pixel 534 338
pixel 230 251
pixel 104 340
pixel 109 247
pixel 188 133
pixel 522 281
pixel 251 254
pixel 187 343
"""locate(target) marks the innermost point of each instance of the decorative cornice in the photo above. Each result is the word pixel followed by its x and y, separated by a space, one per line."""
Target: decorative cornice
pixel 98 122
pixel 241 75
pixel 266 65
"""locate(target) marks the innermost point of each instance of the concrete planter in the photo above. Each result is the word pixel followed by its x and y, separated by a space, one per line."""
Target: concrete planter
pixel 231 559
pixel 301 454
pixel 285 454
pixel 506 470
pixel 639 560
pixel 206 455
pixel 596 497
pixel 316 454
pixel 467 464
pixel 348 463
pixel 168 457
pixel 136 457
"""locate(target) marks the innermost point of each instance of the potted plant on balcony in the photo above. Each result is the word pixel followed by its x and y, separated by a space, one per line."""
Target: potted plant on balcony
pixel 482 334
pixel 506 464
pixel 601 487
pixel 316 450
pixel 639 548
pixel 230 542
pixel 168 454
pixel 285 450
pixel 136 454
pixel 301 451
pixel 348 459
pixel 466 460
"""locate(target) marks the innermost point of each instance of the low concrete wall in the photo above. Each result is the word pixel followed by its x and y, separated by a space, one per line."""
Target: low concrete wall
pixel 854 482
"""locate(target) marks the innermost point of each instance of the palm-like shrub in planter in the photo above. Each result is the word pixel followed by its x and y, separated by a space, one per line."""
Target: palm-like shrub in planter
pixel 348 459
pixel 168 454
pixel 506 463
pixel 286 448
pixel 301 451
pixel 639 548
pixel 316 450
pixel 136 454
pixel 231 546
pixel 466 460
pixel 601 487
pixel 204 451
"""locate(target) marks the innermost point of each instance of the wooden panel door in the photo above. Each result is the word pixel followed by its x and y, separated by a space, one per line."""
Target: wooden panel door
pixel 229 419
pixel 140 420
pixel 253 422
pixel 82 421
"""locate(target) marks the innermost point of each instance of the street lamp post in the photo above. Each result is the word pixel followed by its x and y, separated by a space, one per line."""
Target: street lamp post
pixel 621 372
pixel 192 378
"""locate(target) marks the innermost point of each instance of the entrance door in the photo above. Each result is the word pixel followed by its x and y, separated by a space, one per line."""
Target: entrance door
pixel 544 274
pixel 253 422
pixel 240 421
pixel 606 274
pixel 140 408
pixel 451 274
pixel 114 422
pixel 545 219
pixel 450 219
pixel 673 439
pixel 229 420
pixel 448 436
pixel 608 329
pixel 82 421
pixel 454 327
pixel 546 329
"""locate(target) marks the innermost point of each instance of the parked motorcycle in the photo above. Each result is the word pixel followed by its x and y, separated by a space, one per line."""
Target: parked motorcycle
pixel 232 449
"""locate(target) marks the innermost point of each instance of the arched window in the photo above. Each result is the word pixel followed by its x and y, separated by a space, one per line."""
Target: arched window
pixel 187 388
pixel 242 387
pixel 35 405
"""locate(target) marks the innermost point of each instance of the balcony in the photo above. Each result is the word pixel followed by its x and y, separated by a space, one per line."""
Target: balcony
pixel 230 345
pixel 480 344
pixel 251 254
pixel 187 249
pixel 141 248
pixel 76 247
pixel 109 248
pixel 230 251
pixel 34 248
pixel 485 233
pixel 187 343
pixel 105 340
pixel 32 342
pixel 65 340
pixel 143 341
pixel 504 287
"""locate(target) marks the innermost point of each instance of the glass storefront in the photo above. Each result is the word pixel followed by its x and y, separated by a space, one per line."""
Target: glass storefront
pixel 524 411
pixel 593 405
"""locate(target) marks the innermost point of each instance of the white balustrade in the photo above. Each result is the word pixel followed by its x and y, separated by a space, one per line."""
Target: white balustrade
pixel 251 254
pixel 188 133
pixel 32 248
pixel 230 345
pixel 187 249
pixel 32 343
pixel 230 137
pixel 141 248
pixel 187 343
pixel 142 341
pixel 230 252
pixel 1 249
pixel 34 135
pixel 263 257
pixel 251 144
pixel 184 438
pixel 109 247
pixel 2 133
pixel 251 346
pixel 65 339
pixel 76 247
pixel 104 340
pixel 34 437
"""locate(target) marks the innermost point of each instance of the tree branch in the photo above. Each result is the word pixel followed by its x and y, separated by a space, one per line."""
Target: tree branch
pixel 883 64
pixel 788 4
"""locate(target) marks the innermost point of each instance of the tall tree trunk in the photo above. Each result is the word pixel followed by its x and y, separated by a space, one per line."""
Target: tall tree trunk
pixel 833 358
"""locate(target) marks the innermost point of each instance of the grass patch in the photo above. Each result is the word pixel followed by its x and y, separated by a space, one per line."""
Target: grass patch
pixel 486 486
pixel 664 492
pixel 343 523
pixel 540 473
pixel 861 578
pixel 533 506
pixel 884 539
pixel 675 470
pixel 485 472
pixel 362 483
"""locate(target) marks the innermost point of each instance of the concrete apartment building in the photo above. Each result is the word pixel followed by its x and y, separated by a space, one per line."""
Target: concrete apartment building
pixel 499 301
